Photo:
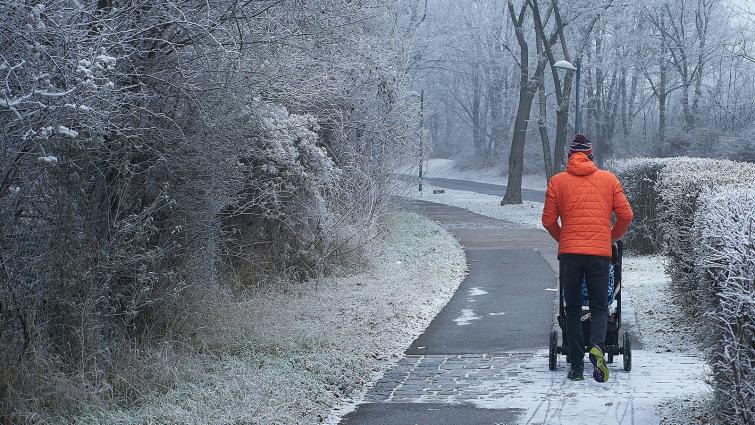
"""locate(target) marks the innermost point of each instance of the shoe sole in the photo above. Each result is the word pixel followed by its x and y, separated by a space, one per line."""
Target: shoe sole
pixel 600 370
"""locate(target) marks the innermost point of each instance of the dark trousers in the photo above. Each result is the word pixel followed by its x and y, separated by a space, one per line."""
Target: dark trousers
pixel 572 267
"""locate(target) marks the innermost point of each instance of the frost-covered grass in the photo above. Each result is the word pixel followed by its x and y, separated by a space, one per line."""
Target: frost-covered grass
pixel 527 214
pixel 290 357
pixel 448 168
pixel 662 327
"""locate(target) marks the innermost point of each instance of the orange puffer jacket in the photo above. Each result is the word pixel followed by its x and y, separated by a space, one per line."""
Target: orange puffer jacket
pixel 584 197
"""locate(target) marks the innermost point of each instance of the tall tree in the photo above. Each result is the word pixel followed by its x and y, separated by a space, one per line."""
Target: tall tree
pixel 528 86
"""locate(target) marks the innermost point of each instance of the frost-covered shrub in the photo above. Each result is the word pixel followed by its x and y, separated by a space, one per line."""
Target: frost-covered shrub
pixel 679 186
pixel 283 203
pixel 724 236
pixel 639 177
pixel 134 160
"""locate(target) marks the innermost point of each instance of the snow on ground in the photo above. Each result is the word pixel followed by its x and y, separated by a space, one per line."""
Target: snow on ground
pixel 627 398
pixel 661 327
pixel 291 356
pixel 447 168
pixel 527 214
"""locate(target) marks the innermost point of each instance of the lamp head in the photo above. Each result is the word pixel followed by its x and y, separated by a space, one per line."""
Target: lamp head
pixel 562 64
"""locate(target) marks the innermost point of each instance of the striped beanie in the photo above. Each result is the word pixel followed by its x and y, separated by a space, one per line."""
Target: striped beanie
pixel 580 144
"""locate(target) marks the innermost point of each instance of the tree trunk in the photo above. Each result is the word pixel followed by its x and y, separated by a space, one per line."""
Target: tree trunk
pixel 542 122
pixel 516 156
pixel 527 89
pixel 662 101
pixel 689 120
pixel 476 130
pixel 496 117
pixel 623 101
pixel 599 143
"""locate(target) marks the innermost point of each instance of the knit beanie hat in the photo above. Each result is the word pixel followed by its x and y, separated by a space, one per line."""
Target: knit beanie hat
pixel 580 144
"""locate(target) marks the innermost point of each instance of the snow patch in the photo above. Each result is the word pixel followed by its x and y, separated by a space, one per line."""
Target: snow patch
pixel 476 291
pixel 628 397
pixel 48 159
pixel 659 323
pixel 67 132
pixel 467 316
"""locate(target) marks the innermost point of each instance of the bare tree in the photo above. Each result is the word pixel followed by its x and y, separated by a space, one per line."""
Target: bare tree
pixel 528 86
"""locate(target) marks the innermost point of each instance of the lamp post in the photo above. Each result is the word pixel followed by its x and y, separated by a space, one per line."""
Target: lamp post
pixel 421 96
pixel 563 64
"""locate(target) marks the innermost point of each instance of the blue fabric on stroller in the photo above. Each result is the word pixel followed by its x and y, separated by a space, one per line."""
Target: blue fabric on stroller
pixel 611 286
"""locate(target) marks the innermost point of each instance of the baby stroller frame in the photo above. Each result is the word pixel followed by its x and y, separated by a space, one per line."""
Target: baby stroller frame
pixel 612 346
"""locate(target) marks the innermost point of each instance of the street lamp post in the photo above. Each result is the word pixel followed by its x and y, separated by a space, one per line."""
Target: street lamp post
pixel 421 126
pixel 421 96
pixel 563 64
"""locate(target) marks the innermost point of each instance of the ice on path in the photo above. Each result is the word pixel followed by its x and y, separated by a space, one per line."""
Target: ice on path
pixel 466 318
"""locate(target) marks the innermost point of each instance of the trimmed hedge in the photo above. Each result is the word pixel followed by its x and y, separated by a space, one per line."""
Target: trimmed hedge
pixel 638 176
pixel 701 214
pixel 679 187
pixel 724 236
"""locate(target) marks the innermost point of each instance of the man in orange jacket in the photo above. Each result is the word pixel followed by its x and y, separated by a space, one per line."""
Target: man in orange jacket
pixel 584 197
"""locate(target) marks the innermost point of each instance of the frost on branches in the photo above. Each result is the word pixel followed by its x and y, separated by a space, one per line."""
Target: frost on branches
pixel 282 205
pixel 639 176
pixel 725 272
pixel 706 223
pixel 148 157
pixel 679 186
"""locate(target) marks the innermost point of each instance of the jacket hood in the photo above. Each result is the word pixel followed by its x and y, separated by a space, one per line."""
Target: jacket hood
pixel 580 165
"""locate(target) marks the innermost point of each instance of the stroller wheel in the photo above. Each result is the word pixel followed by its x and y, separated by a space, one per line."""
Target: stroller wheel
pixel 610 357
pixel 553 351
pixel 627 352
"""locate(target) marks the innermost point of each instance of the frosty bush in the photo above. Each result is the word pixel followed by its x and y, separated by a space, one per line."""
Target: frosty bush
pixel 282 206
pixel 639 177
pixel 147 148
pixel 679 186
pixel 725 270
pixel 705 225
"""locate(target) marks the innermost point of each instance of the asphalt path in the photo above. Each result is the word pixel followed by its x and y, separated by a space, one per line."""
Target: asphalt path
pixel 505 304
pixel 483 188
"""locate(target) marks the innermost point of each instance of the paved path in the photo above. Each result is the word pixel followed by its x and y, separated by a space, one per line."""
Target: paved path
pixel 484 188
pixel 506 301
pixel 504 304
pixel 483 359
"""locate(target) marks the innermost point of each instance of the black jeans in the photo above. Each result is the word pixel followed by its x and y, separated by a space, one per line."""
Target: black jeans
pixel 572 267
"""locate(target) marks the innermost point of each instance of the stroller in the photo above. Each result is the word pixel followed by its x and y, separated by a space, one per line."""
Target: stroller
pixel 612 346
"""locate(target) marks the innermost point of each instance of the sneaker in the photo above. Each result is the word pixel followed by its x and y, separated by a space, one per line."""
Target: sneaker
pixel 575 375
pixel 600 370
